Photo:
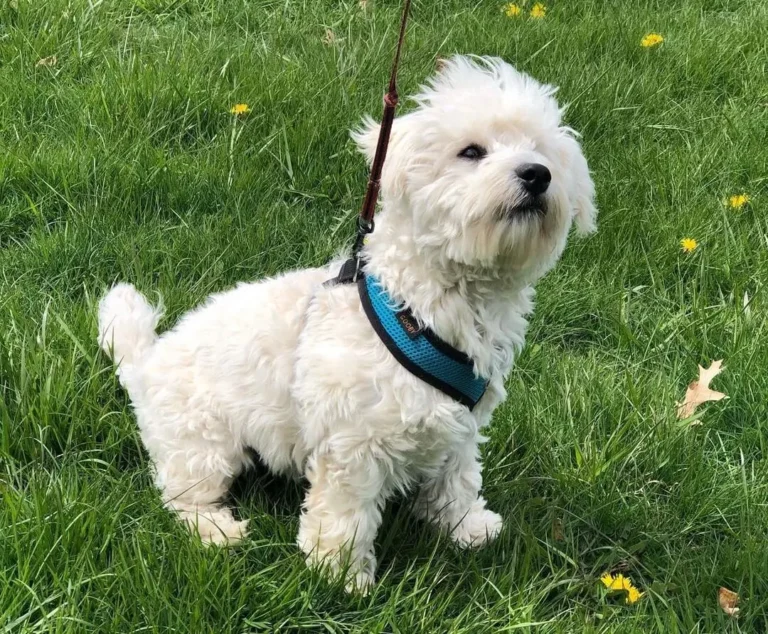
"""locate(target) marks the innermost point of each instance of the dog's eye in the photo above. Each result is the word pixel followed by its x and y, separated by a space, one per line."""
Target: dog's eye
pixel 473 152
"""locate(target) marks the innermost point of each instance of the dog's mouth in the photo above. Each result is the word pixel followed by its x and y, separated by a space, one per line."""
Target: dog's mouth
pixel 533 207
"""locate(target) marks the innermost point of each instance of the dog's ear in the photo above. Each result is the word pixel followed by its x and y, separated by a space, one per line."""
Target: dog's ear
pixel 582 190
pixel 395 169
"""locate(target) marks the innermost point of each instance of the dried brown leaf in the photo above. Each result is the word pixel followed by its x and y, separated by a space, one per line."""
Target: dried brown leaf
pixel 558 530
pixel 622 566
pixel 698 392
pixel 48 61
pixel 728 600
pixel 329 37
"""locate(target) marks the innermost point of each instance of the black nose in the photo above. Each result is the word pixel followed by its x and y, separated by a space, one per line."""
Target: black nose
pixel 535 177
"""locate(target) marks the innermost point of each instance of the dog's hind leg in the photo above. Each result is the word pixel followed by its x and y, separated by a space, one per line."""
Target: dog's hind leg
pixel 196 495
pixel 194 477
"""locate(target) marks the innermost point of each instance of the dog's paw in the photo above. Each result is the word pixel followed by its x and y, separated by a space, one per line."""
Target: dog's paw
pixel 217 528
pixel 231 534
pixel 359 582
pixel 358 575
pixel 477 528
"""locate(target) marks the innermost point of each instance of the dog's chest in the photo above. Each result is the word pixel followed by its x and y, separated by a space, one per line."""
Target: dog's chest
pixel 347 383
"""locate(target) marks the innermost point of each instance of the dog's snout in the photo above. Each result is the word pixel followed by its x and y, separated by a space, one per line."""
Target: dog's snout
pixel 535 176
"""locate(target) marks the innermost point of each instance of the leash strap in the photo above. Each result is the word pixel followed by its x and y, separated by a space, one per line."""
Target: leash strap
pixel 365 224
pixel 390 104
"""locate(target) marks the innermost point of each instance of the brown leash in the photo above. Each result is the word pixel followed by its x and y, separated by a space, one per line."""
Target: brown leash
pixel 365 220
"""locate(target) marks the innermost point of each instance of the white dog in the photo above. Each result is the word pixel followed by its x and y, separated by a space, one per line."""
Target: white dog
pixel 479 191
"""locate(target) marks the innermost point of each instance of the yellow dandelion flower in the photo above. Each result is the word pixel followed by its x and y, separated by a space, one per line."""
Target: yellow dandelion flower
pixel 240 109
pixel 652 39
pixel 623 584
pixel 738 201
pixel 620 582
pixel 633 595
pixel 689 245
pixel 538 10
pixel 511 10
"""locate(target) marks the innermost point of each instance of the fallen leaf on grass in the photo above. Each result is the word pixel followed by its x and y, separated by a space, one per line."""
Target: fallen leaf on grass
pixel 48 61
pixel 329 37
pixel 558 532
pixel 728 600
pixel 698 392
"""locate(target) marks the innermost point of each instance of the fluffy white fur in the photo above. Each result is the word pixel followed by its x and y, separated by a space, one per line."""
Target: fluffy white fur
pixel 293 369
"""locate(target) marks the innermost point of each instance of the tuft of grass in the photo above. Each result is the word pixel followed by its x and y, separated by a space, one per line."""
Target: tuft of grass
pixel 122 161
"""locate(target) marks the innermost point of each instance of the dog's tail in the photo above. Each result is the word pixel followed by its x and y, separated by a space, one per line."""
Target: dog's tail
pixel 127 323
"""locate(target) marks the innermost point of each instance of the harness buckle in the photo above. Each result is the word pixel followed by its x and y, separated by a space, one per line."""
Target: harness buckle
pixel 348 274
pixel 350 270
pixel 364 227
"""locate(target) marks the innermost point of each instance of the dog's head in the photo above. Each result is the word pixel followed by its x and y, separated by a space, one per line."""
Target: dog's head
pixel 482 172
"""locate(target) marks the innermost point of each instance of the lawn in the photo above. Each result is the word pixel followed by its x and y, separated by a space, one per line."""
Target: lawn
pixel 120 160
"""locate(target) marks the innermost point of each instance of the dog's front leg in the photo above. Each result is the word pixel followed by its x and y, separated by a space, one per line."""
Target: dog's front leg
pixel 341 516
pixel 452 500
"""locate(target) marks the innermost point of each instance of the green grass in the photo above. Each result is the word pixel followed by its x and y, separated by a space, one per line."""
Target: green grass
pixel 122 162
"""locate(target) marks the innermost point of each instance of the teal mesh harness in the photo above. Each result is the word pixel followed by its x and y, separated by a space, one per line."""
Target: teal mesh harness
pixel 417 348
